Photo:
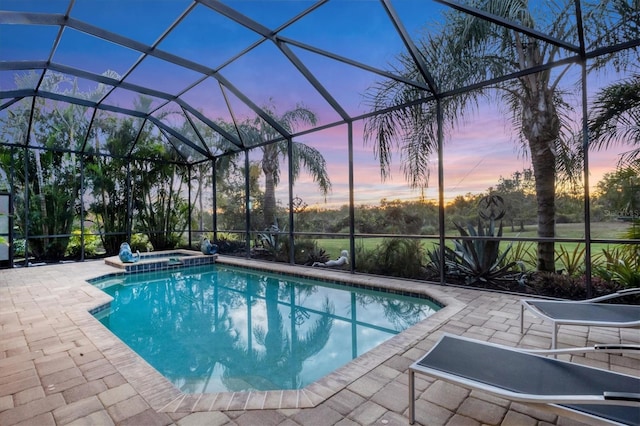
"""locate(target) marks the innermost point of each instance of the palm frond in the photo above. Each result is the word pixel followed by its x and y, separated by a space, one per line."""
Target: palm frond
pixel 313 162
pixel 615 118
pixel 294 117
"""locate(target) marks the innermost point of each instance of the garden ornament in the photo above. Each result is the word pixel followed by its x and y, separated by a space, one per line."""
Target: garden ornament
pixel 126 255
pixel 342 260
pixel 207 248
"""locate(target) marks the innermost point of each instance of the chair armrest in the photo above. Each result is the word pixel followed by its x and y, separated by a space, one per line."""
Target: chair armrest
pixel 617 347
pixel 608 348
pixel 622 396
pixel 619 293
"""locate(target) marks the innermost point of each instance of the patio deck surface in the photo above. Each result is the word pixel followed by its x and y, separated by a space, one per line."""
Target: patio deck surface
pixel 59 365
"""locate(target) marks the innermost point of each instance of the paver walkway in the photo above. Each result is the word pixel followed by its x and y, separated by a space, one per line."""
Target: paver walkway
pixel 59 366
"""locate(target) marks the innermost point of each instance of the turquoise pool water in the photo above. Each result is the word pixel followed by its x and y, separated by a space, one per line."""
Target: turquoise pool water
pixel 218 328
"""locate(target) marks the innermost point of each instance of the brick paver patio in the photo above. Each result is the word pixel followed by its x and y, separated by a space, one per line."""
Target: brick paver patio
pixel 59 366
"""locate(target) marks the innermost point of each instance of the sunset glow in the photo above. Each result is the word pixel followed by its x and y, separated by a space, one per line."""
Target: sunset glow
pixel 482 148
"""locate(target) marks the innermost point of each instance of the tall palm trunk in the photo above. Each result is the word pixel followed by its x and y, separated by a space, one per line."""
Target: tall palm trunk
pixel 541 128
pixel 199 195
pixel 269 167
pixel 273 340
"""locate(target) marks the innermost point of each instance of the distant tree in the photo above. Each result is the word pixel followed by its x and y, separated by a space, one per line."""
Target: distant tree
pixel 202 173
pixel 230 195
pixel 618 193
pixel 518 192
pixel 462 209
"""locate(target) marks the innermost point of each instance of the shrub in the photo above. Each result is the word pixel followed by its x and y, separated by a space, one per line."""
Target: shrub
pixel 568 287
pixel 524 253
pixel 633 250
pixel 572 262
pixel 271 242
pixel 229 245
pixel 310 254
pixel 398 257
pixel 92 244
pixel 618 265
pixel 140 242
pixel 429 229
pixel 19 247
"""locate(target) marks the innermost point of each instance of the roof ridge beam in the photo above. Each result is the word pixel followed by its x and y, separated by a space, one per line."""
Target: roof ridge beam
pixel 311 78
pixel 238 17
pixel 415 53
pixel 345 60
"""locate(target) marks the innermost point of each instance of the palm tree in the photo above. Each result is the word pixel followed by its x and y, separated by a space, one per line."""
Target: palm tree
pixel 282 355
pixel 615 118
pixel 470 51
pixel 257 131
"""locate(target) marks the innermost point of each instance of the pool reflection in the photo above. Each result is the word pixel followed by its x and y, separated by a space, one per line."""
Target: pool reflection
pixel 228 329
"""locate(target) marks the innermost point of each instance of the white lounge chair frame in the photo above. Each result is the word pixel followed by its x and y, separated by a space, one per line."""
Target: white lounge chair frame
pixel 551 402
pixel 633 320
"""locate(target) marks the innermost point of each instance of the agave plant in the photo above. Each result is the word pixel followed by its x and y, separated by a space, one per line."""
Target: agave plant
pixel 272 240
pixel 478 259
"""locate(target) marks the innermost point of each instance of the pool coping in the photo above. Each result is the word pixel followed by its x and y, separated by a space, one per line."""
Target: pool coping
pixel 163 396
pixel 161 261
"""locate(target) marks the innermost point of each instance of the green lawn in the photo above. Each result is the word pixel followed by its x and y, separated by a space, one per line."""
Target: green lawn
pixel 599 230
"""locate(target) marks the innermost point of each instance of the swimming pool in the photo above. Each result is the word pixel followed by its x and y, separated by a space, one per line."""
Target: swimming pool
pixel 220 328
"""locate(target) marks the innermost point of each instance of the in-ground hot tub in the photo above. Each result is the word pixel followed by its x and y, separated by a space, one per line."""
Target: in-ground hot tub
pixel 161 260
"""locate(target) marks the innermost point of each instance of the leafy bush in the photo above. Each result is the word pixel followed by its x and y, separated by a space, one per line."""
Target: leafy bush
pixel 140 242
pixel 229 245
pixel 271 243
pixel 568 287
pixel 92 244
pixel 308 252
pixel 572 262
pixel 618 265
pixel 633 233
pixel 523 252
pixel 398 257
pixel 19 247
pixel 429 229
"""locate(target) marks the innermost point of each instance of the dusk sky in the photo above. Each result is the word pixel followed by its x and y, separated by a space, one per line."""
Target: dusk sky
pixel 478 153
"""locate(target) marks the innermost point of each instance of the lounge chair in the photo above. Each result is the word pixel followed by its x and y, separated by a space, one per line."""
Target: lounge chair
pixel 570 389
pixel 588 312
